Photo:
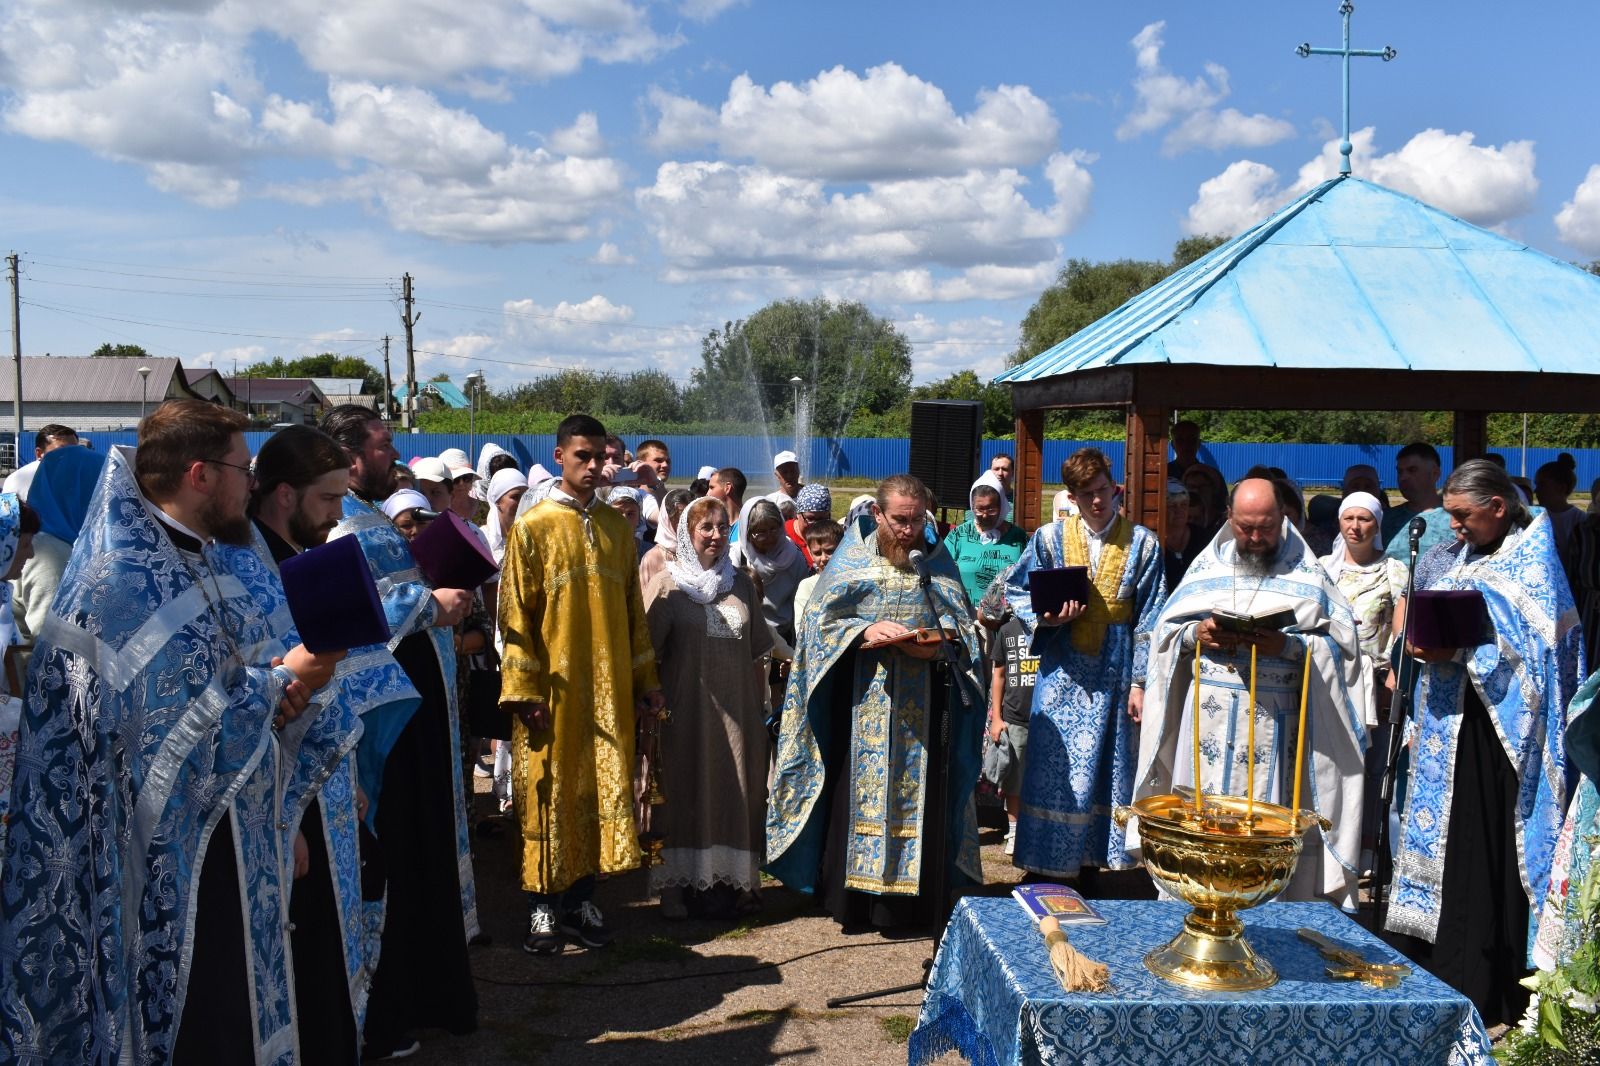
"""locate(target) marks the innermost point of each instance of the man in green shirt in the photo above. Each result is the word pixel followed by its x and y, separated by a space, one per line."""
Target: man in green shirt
pixel 985 544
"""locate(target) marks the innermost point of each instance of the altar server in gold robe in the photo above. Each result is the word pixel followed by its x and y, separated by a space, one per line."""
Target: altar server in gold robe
pixel 578 664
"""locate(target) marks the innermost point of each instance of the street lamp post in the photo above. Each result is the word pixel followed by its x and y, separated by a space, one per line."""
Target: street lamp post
pixel 474 381
pixel 144 390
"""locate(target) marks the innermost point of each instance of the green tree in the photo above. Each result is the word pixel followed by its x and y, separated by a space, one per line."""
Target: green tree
pixel 850 361
pixel 998 419
pixel 121 351
pixel 325 365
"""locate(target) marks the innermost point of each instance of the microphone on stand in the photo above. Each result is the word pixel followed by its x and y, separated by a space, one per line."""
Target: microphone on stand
pixel 919 563
pixel 1419 525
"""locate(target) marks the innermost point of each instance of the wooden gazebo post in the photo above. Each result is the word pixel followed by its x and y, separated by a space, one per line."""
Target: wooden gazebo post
pixel 1145 468
pixel 1028 490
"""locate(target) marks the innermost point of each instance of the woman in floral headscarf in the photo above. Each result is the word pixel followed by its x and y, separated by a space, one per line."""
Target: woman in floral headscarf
pixel 711 644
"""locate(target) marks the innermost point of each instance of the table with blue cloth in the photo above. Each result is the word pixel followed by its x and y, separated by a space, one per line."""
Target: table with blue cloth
pixel 993 997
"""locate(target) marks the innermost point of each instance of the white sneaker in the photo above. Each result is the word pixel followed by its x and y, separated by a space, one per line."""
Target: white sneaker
pixel 543 938
pixel 1011 839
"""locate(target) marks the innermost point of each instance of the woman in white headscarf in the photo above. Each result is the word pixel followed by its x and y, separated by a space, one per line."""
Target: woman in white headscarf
pixel 504 494
pixel 1374 583
pixel 711 643
pixel 777 564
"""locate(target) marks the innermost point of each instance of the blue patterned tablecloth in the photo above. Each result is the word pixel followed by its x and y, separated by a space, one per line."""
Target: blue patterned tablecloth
pixel 993 997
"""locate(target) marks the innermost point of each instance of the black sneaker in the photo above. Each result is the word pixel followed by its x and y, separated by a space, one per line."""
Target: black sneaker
pixel 586 926
pixel 542 938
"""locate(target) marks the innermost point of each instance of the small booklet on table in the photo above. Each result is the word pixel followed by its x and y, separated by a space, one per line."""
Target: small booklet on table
pixel 1231 622
pixel 1049 589
pixel 1063 904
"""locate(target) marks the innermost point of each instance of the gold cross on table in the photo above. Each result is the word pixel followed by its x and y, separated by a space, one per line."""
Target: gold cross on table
pixel 1348 966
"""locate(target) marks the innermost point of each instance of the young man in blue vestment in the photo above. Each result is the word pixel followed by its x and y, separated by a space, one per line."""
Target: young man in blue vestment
pixel 1083 736
pixel 855 809
pixel 151 776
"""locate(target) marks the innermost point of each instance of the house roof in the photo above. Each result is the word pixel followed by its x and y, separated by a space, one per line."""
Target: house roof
pixel 295 391
pixel 449 393
pixel 1351 276
pixel 93 379
pixel 341 390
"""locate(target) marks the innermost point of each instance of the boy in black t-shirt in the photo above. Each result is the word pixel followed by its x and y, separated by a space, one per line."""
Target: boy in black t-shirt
pixel 1010 704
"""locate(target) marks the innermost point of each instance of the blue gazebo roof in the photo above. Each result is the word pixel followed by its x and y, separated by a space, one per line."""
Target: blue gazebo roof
pixel 1351 276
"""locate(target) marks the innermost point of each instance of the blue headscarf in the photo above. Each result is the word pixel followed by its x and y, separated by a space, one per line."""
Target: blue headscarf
pixel 61 490
pixel 10 535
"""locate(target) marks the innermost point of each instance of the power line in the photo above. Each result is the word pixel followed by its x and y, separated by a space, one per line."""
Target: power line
pixel 304 278
pixel 168 324
pixel 306 297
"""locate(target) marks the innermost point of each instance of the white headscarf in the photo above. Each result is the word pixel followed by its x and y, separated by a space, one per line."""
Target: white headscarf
pixel 502 482
pixel 859 506
pixel 989 479
pixel 782 557
pixel 480 488
pixel 1336 561
pixel 403 501
pixel 698 583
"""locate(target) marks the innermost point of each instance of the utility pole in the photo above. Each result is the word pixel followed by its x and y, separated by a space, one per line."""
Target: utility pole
pixel 16 353
pixel 388 386
pixel 408 414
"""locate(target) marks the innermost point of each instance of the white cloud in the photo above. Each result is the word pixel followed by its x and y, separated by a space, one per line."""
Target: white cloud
pixel 172 86
pixel 1165 98
pixel 715 219
pixel 845 127
pixel 1484 184
pixel 442 42
pixel 206 186
pixel 531 340
pixel 582 138
pixel 939 348
pixel 1578 221
pixel 608 254
pixel 706 10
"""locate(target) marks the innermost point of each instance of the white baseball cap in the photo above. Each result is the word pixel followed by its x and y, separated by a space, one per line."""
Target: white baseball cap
pixel 431 469
pixel 785 457
pixel 706 472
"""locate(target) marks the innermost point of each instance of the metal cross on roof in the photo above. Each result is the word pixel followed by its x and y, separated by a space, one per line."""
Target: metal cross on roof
pixel 1388 53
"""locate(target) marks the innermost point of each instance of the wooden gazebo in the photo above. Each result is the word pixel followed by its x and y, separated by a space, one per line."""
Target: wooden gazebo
pixel 1353 297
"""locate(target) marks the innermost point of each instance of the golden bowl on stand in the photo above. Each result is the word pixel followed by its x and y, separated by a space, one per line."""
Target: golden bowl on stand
pixel 1219 860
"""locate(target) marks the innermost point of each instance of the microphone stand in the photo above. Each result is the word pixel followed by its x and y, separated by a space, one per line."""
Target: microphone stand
pixel 1399 709
pixel 936 830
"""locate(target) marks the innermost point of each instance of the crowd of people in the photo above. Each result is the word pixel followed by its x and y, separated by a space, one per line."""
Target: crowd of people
pixel 223 846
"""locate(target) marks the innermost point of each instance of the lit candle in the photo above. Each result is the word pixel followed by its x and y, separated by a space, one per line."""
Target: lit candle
pixel 1250 739
pixel 1300 737
pixel 1199 797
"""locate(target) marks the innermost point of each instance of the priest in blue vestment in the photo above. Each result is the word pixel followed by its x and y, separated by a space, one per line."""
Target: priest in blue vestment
pixel 335 907
pixel 1488 785
pixel 854 809
pixel 143 905
pixel 1083 737
pixel 412 775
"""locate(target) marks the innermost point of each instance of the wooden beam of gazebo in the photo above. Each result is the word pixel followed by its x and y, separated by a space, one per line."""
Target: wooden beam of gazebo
pixel 1354 297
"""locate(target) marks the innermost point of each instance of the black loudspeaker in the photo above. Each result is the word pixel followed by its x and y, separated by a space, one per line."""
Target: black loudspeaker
pixel 946 447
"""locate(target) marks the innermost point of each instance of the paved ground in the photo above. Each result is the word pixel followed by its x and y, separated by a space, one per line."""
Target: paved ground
pixel 663 994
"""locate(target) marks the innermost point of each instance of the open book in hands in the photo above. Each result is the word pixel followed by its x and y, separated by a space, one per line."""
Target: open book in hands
pixel 1245 624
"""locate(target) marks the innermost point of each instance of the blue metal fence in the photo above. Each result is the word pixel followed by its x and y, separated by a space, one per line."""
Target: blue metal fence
pixel 874 457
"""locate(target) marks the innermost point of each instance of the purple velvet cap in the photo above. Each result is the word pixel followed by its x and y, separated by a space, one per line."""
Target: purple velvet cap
pixel 1449 618
pixel 451 555
pixel 332 597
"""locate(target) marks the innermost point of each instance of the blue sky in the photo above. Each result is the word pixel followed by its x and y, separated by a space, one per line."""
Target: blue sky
pixel 597 183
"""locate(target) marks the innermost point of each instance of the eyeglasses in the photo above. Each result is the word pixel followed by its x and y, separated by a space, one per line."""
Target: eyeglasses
pixel 245 470
pixel 905 523
pixel 816 516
